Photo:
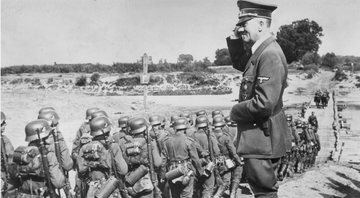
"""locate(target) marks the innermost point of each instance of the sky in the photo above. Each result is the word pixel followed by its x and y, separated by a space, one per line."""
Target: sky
pixel 108 31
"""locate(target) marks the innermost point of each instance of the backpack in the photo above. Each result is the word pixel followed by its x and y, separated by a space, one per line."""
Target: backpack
pixel 29 162
pixel 95 154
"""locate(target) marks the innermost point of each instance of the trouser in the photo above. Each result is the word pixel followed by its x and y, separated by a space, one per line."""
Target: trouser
pixel 262 177
pixel 205 186
pixel 226 179
pixel 178 190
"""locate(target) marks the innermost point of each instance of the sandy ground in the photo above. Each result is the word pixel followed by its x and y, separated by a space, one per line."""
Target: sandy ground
pixel 326 179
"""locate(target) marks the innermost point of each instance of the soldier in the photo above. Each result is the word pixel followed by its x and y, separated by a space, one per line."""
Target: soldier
pixel 232 128
pixel 45 109
pixel 100 162
pixel 123 126
pixel 228 159
pixel 313 121
pixel 39 172
pixel 7 151
pixel 180 155
pixel 191 128
pixel 216 112
pixel 142 156
pixel 158 133
pixel 201 113
pixel 172 121
pixel 201 136
pixel 84 129
pixel 53 120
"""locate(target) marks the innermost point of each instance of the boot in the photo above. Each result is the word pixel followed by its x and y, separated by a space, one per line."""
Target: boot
pixel 234 188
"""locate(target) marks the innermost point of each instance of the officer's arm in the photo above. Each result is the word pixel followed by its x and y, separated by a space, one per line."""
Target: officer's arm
pixel 268 89
pixel 237 52
pixel 57 177
pixel 232 151
pixel 120 163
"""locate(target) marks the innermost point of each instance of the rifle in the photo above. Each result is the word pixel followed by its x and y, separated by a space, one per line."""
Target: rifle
pixel 67 186
pixel 153 176
pixel 4 163
pixel 218 179
pixel 45 163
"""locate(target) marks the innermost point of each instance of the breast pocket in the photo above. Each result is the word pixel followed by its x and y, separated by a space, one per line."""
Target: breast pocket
pixel 246 87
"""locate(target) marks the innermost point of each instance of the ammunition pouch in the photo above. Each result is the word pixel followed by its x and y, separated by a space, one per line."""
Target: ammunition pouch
pixel 224 164
pixel 133 177
pixel 107 188
pixel 92 152
pixel 179 172
pixel 209 168
pixel 23 155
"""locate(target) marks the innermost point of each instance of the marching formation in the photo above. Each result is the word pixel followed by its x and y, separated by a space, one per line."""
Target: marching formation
pixel 187 157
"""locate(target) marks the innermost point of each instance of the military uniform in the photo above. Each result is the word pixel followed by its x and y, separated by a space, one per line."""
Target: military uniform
pixel 84 129
pixel 225 160
pixel 262 128
pixel 6 182
pixel 313 121
pixel 207 184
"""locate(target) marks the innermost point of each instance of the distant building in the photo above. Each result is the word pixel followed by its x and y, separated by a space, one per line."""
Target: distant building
pixel 139 61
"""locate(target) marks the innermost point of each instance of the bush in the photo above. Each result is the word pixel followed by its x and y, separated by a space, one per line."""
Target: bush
pixel 50 80
pixel 16 81
pixel 156 80
pixel 128 81
pixel 340 75
pixel 95 77
pixel 81 81
pixel 170 79
pixel 36 81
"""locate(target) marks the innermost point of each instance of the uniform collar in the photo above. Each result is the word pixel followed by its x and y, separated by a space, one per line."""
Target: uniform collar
pixel 259 42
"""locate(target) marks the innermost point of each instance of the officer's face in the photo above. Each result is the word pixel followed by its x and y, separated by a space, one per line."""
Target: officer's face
pixel 250 29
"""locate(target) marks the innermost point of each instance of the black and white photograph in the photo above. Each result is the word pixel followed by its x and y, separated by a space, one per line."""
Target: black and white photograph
pixel 180 99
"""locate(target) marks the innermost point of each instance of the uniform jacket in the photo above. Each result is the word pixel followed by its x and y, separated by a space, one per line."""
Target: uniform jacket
pixel 261 122
pixel 180 147
pixel 201 138
pixel 226 146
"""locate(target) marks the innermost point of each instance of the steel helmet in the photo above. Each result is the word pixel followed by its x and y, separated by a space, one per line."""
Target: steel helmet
pixel 50 116
pixel 99 113
pixel 173 119
pixel 200 113
pixel 216 112
pixel 3 117
pixel 89 111
pixel 218 121
pixel 201 121
pixel 99 126
pixel 155 120
pixel 123 121
pixel 32 129
pixel 180 123
pixel 163 121
pixel 184 115
pixel 137 125
pixel 45 109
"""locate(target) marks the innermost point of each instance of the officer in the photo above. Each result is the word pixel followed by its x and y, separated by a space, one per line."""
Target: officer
pixel 201 137
pixel 313 121
pixel 100 161
pixel 33 181
pixel 53 120
pixel 7 151
pixel 228 159
pixel 261 121
pixel 123 128
pixel 179 154
pixel 140 182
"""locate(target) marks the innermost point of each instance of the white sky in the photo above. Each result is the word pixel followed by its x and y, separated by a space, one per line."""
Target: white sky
pixel 107 31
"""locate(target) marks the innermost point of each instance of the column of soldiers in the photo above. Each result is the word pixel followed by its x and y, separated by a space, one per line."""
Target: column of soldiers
pixel 305 146
pixel 321 98
pixel 187 157
pixel 144 158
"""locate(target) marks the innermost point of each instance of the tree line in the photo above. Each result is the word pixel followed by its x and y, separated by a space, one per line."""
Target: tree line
pixel 299 40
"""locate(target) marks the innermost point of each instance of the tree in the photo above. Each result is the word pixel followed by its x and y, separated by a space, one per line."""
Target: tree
pixel 311 58
pixel 329 60
pixel 207 62
pixel 95 77
pixel 299 38
pixel 222 57
pixel 185 58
